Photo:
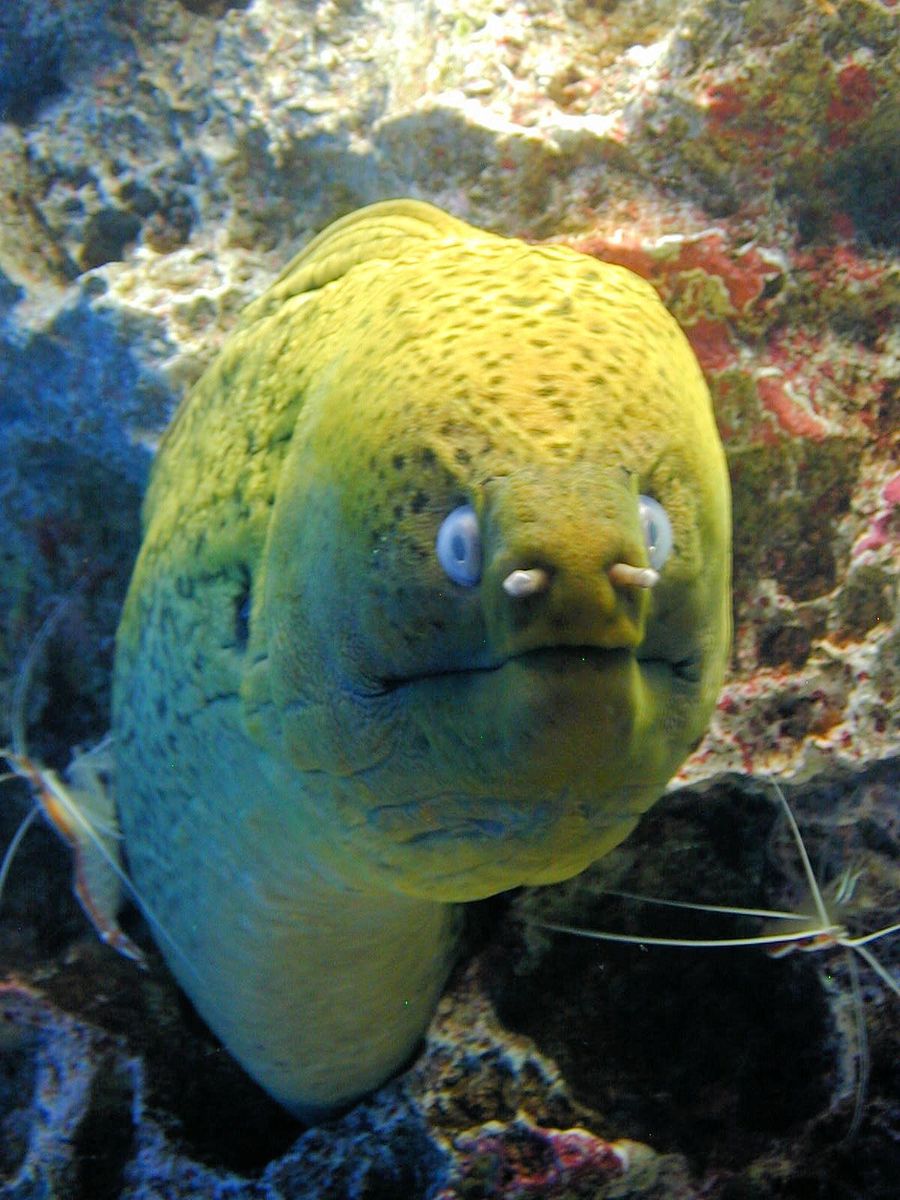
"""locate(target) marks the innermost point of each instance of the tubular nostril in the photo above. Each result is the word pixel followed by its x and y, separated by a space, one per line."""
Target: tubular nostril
pixel 526 583
pixel 625 575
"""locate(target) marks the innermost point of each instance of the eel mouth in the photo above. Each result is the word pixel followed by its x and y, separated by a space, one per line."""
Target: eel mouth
pixel 555 659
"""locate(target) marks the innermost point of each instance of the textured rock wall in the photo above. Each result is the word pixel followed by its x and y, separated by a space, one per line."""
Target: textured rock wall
pixel 160 162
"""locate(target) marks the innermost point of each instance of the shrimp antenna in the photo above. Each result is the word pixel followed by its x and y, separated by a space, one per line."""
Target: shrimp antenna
pixel 811 932
pixel 26 674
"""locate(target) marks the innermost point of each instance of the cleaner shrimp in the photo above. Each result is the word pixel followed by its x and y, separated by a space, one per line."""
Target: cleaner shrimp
pixel 817 926
pixel 79 808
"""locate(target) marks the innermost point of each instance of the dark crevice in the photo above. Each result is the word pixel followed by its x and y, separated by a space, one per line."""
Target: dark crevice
pixel 213 8
pixel 106 235
pixel 17 1083
pixel 30 75
pixel 104 1143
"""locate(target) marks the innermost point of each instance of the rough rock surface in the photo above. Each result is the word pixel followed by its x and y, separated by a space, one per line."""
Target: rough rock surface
pixel 160 162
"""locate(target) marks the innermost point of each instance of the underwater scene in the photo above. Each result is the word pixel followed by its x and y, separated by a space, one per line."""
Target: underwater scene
pixel 449 524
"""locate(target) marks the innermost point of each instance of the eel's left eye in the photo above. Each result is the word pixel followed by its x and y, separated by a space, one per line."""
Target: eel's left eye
pixel 458 546
pixel 657 530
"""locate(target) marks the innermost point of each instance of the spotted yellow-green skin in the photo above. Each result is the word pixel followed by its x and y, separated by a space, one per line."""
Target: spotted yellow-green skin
pixel 324 743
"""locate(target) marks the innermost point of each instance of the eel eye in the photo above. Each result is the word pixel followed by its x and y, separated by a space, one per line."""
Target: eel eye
pixel 458 546
pixel 657 530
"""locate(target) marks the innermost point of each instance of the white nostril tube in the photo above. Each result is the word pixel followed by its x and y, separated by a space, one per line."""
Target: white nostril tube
pixel 526 583
pixel 625 575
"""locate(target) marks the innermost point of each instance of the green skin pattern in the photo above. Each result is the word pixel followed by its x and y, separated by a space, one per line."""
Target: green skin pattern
pixel 323 744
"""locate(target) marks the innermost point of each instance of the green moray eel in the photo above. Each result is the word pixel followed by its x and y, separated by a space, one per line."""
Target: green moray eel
pixel 432 601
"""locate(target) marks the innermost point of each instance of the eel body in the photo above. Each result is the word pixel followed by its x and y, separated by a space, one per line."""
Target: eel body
pixel 405 629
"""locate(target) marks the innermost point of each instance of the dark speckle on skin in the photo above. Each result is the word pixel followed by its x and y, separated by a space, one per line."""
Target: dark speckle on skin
pixel 242 613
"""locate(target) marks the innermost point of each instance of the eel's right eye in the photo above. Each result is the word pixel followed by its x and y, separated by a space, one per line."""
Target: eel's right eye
pixel 657 530
pixel 458 546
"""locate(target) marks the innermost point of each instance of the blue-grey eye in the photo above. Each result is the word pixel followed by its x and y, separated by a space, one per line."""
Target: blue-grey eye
pixel 657 530
pixel 458 546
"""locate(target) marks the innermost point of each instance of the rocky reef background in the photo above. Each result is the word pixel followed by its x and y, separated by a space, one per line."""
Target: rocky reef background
pixel 160 161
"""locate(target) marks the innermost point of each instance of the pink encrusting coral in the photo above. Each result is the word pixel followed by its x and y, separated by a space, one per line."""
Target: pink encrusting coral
pixel 520 1161
pixel 884 529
